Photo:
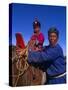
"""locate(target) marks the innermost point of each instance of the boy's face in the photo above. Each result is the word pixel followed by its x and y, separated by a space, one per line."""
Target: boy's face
pixel 36 29
pixel 53 38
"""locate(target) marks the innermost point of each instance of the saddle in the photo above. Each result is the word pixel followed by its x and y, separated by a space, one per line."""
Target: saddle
pixel 36 75
pixel 20 41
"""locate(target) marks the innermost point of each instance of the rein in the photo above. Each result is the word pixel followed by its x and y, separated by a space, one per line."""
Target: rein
pixel 19 59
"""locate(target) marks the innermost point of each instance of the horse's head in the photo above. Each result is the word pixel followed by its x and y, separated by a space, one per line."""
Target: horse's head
pixel 22 59
pixel 19 64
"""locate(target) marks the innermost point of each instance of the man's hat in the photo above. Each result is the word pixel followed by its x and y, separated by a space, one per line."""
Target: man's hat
pixel 53 30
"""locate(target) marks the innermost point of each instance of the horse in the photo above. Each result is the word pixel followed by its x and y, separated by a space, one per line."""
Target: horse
pixel 21 72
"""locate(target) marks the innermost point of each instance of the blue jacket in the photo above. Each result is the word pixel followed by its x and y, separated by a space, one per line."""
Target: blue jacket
pixel 52 59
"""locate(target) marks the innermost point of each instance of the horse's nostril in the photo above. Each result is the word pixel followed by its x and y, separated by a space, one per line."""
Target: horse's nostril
pixel 33 77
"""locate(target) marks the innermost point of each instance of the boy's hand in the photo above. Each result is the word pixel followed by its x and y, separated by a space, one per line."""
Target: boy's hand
pixel 38 49
pixel 18 50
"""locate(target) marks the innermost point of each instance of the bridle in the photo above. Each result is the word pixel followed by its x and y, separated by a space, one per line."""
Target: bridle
pixel 20 69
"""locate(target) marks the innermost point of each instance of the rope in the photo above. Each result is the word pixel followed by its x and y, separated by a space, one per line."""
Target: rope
pixel 19 59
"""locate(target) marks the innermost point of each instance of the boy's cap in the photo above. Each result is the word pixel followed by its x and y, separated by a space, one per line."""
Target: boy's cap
pixel 36 23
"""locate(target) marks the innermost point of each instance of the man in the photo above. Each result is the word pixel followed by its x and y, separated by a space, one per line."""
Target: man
pixel 52 57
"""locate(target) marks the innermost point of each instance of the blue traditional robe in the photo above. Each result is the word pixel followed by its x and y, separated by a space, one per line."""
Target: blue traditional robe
pixel 54 63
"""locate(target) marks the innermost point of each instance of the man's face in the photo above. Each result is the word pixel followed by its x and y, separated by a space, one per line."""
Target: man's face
pixel 53 38
pixel 36 29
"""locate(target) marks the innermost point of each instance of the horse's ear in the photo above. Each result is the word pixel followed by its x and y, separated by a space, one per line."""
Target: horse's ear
pixel 20 41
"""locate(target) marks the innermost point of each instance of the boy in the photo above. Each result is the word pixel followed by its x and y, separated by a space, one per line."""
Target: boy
pixel 37 37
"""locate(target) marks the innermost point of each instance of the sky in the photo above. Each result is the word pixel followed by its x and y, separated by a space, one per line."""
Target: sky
pixel 23 16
